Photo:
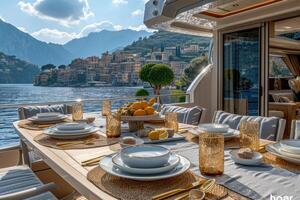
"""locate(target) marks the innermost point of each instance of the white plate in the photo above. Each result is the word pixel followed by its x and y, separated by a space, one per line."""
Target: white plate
pixel 172 163
pixel 107 165
pixel 256 160
pixel 56 130
pixel 47 115
pixel 47 119
pixel 215 128
pixel 279 149
pixel 71 126
pixel 291 146
pixel 228 135
pixel 273 149
pixel 69 136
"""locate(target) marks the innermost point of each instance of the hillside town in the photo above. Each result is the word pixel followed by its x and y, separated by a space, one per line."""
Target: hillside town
pixel 120 68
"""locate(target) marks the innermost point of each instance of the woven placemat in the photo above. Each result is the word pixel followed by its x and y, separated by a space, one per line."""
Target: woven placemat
pixel 121 188
pixel 99 141
pixel 37 127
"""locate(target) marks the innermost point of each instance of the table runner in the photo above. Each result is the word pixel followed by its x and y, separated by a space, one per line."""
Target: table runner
pixel 252 182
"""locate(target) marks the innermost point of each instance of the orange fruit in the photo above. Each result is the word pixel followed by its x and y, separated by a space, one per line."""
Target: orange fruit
pixel 152 101
pixel 139 112
pixel 144 104
pixel 136 105
pixel 149 110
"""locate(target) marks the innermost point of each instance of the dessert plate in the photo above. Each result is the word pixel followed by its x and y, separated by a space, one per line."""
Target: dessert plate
pixel 108 166
pixel 57 130
pixel 256 160
pixel 71 126
pixel 172 163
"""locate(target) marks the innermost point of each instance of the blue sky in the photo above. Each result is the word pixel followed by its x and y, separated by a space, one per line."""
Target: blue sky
pixel 59 21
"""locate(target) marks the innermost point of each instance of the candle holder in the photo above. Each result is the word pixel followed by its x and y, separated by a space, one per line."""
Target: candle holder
pixel 211 153
pixel 113 125
pixel 106 107
pixel 171 121
pixel 77 111
pixel 249 135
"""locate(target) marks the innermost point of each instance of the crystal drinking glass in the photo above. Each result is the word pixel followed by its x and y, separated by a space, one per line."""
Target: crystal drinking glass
pixel 77 111
pixel 171 121
pixel 113 125
pixel 249 135
pixel 211 153
pixel 106 107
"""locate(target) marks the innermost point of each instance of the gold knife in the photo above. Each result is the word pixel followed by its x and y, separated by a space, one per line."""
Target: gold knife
pixel 177 191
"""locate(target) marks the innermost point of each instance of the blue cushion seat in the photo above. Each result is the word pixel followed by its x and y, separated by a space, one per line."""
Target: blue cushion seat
pixel 20 178
pixel 268 125
pixel 185 115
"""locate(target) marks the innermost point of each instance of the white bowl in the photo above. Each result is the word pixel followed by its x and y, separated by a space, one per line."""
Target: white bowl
pixel 171 164
pixel 145 156
pixel 214 128
pixel 71 126
pixel 256 160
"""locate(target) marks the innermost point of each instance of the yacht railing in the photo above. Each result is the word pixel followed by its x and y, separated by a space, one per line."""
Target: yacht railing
pixel 132 98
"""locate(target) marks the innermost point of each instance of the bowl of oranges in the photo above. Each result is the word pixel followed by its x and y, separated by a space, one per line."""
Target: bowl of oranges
pixel 139 111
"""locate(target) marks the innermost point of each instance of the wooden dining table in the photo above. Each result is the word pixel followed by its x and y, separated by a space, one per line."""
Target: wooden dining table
pixel 67 163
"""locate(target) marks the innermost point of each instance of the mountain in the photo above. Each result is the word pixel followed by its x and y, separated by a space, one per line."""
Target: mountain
pixel 97 43
pixel 161 39
pixel 13 70
pixel 24 46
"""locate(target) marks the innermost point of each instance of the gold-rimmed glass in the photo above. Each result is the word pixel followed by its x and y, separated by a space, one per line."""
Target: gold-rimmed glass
pixel 171 121
pixel 77 111
pixel 249 135
pixel 211 153
pixel 106 107
pixel 113 125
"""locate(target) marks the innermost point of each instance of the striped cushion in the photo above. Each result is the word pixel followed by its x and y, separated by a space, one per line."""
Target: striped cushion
pixel 30 111
pixel 185 115
pixel 268 125
pixel 20 178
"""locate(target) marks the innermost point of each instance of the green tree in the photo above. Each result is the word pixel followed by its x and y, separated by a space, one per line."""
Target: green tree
pixel 157 75
pixel 194 68
pixel 141 93
pixel 62 67
pixel 48 67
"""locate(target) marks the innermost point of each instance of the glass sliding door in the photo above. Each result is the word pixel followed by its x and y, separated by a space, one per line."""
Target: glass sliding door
pixel 241 72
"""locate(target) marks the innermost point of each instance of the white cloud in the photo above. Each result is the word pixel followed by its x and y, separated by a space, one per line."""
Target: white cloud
pixel 53 35
pixel 22 29
pixel 65 12
pixel 98 26
pixel 137 12
pixel 140 28
pixel 119 2
pixel 61 37
pixel 1 18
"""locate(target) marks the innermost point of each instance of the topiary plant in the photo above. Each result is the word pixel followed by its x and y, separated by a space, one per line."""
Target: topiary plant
pixel 157 75
pixel 141 93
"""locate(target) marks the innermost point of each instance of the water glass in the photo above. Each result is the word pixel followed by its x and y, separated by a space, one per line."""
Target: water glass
pixel 171 121
pixel 249 135
pixel 211 153
pixel 77 111
pixel 113 125
pixel 106 107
